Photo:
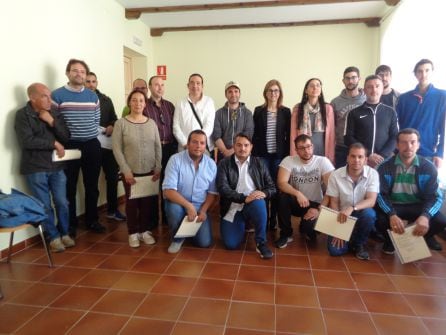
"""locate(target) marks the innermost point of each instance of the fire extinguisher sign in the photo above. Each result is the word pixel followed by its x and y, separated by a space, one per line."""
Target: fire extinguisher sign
pixel 161 70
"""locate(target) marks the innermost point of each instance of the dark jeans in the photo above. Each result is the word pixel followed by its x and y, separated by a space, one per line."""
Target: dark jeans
pixel 288 206
pixel 138 211
pixel 410 212
pixel 363 227
pixel 110 168
pixel 341 152
pixel 90 163
pixel 272 163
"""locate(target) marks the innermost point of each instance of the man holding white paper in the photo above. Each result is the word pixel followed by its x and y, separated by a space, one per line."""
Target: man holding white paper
pixel 244 184
pixel 40 130
pixel 189 190
pixel 352 190
pixel 409 191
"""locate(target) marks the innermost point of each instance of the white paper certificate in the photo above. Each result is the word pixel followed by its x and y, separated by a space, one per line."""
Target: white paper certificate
pixel 327 223
pixel 144 187
pixel 106 141
pixel 188 228
pixel 408 246
pixel 69 155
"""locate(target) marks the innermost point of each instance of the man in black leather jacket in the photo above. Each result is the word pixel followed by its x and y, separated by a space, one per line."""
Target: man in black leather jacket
pixel 244 184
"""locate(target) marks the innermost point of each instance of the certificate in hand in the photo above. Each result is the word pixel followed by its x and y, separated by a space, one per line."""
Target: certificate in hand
pixel 409 247
pixel 327 223
pixel 69 155
pixel 188 228
pixel 144 187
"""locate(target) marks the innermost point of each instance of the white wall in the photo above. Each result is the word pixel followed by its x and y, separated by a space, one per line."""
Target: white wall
pixel 254 56
pixel 38 38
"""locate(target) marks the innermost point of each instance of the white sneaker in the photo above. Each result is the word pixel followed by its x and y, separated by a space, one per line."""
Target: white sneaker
pixel 175 247
pixel 146 237
pixel 133 240
pixel 68 241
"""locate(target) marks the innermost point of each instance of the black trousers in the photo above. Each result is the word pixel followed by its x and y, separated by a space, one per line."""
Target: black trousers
pixel 287 206
pixel 90 163
pixel 110 168
pixel 410 212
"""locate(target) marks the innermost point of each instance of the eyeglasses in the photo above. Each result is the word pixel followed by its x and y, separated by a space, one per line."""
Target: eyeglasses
pixel 275 91
pixel 305 147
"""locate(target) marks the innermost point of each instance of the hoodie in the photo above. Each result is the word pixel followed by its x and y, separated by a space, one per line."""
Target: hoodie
pixel 342 105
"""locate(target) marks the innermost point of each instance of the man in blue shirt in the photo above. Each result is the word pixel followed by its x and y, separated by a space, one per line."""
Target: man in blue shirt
pixel 424 109
pixel 189 190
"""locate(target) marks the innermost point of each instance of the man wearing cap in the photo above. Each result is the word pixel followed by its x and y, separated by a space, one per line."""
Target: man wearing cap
pixel 232 119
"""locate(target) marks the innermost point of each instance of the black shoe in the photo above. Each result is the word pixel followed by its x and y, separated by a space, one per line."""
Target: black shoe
pixel 376 236
pixel 362 253
pixel 96 227
pixel 264 251
pixel 433 244
pixel 388 248
pixel 282 241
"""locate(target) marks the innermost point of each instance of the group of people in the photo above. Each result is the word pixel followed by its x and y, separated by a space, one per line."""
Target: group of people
pixel 268 166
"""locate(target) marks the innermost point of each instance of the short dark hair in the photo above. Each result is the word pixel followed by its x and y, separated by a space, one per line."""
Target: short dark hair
pixel 153 77
pixel 73 61
pixel 196 75
pixel 372 77
pixel 422 62
pixel 134 91
pixel 198 132
pixel 91 73
pixel 357 145
pixel 351 69
pixel 243 135
pixel 383 68
pixel 302 138
pixel 408 131
pixel 139 79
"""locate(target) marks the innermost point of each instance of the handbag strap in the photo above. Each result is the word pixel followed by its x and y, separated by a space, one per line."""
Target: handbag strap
pixel 195 114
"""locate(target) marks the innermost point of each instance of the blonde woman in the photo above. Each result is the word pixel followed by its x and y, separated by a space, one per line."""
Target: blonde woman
pixel 271 137
pixel 137 149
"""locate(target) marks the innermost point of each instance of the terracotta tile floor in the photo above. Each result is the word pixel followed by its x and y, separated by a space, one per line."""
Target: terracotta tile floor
pixel 102 286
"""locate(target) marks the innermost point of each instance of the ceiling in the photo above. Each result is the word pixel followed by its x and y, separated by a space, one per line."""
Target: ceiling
pixel 187 15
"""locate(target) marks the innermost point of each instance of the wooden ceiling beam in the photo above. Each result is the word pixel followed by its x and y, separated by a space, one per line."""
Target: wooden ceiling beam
pixel 369 21
pixel 135 13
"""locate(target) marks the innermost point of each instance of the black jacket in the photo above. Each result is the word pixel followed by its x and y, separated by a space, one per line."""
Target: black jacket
pixel 108 114
pixel 36 138
pixel 375 128
pixel 227 179
pixel 282 132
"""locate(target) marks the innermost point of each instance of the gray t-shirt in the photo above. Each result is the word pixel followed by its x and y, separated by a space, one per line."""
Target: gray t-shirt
pixel 307 178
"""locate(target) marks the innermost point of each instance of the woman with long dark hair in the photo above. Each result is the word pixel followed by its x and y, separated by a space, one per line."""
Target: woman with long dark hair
pixel 271 137
pixel 315 118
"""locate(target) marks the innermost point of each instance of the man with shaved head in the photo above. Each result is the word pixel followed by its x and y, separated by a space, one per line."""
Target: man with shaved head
pixel 40 130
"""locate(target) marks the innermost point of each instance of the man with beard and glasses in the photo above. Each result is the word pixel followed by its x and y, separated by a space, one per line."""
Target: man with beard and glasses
pixel 232 119
pixel 390 96
pixel 80 109
pixel 189 190
pixel 301 180
pixel 351 97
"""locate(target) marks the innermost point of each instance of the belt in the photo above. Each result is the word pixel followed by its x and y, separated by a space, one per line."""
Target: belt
pixel 166 142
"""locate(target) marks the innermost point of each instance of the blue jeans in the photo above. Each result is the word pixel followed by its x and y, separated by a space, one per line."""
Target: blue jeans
pixel 232 233
pixel 175 214
pixel 363 227
pixel 43 184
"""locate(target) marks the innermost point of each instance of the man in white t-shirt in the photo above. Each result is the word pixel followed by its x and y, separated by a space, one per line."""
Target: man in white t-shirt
pixel 196 111
pixel 301 180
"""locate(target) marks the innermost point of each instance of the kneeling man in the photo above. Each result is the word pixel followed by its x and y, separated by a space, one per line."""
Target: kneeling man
pixel 189 189
pixel 244 184
pixel 352 190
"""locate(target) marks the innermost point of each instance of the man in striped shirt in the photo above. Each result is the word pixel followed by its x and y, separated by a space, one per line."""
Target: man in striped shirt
pixel 409 192
pixel 80 109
